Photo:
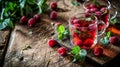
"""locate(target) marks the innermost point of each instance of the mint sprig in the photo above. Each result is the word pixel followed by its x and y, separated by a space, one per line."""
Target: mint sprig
pixel 75 3
pixel 78 53
pixel 62 32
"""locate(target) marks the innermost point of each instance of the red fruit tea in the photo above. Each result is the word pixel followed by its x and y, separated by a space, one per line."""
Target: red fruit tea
pixel 84 33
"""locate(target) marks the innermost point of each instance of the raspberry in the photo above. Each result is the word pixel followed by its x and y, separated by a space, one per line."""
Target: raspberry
pixel 52 42
pixel 31 22
pixel 77 25
pixel 98 51
pixel 103 9
pixel 62 51
pixel 53 15
pixel 53 5
pixel 75 21
pixel 77 41
pixel 100 27
pixel 92 27
pixel 87 11
pixel 93 9
pixel 113 40
pixel 37 17
pixel 23 19
pixel 88 42
pixel 88 7
pixel 92 6
pixel 75 34
pixel 98 13
pixel 87 15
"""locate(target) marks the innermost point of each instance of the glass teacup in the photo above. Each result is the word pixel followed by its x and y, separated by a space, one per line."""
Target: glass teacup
pixel 84 30
pixel 99 8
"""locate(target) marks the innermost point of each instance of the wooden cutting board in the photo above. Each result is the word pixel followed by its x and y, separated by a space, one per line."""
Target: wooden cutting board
pixel 109 52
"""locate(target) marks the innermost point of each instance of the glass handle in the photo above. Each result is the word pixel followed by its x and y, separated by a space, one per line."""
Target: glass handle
pixel 104 27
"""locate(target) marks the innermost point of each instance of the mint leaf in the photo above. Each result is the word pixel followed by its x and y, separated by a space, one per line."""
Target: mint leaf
pixel 88 19
pixel 114 20
pixel 83 54
pixel 5 23
pixel 2 14
pixel 105 41
pixel 22 3
pixel 75 3
pixel 66 33
pixel 42 5
pixel 96 3
pixel 75 50
pixel 61 29
pixel 108 34
pixel 76 58
pixel 31 2
pixel 60 36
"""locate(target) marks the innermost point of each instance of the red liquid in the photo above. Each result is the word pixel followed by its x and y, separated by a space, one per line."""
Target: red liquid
pixel 104 16
pixel 105 19
pixel 83 35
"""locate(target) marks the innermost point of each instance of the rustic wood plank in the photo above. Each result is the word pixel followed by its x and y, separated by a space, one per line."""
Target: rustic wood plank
pixel 4 37
pixel 40 55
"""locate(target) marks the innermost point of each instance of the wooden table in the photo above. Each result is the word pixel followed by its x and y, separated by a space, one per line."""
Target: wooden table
pixel 39 54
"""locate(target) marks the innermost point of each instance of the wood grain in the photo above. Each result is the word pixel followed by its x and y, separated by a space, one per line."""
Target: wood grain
pixel 40 54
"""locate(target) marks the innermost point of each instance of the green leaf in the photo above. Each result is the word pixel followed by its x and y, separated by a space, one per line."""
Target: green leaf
pixel 61 29
pixel 114 20
pixel 60 36
pixel 75 3
pixel 76 58
pixel 96 3
pixel 66 32
pixel 29 10
pixel 2 13
pixel 12 5
pixel 31 2
pixel 83 54
pixel 75 50
pixel 108 34
pixel 22 3
pixel 42 6
pixel 5 23
pixel 88 19
pixel 105 41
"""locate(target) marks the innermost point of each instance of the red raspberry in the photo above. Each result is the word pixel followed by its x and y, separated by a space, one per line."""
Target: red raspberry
pixel 87 10
pixel 75 21
pixel 113 39
pixel 87 15
pixel 53 5
pixel 23 19
pixel 92 6
pixel 31 22
pixel 88 7
pixel 77 41
pixel 77 25
pixel 92 27
pixel 75 34
pixel 52 42
pixel 88 42
pixel 98 13
pixel 53 15
pixel 98 51
pixel 62 51
pixel 37 17
pixel 100 27
pixel 93 9
pixel 103 9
